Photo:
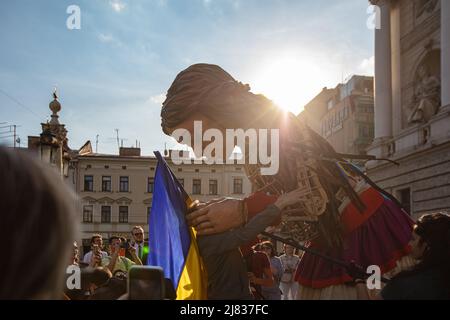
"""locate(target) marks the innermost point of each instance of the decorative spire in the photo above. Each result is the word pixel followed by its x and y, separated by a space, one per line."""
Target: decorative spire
pixel 55 107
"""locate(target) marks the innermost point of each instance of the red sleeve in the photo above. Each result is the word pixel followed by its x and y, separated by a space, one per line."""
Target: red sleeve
pixel 257 202
pixel 264 261
pixel 246 249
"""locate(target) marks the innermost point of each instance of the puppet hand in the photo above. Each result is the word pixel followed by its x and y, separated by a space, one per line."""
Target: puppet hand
pixel 217 216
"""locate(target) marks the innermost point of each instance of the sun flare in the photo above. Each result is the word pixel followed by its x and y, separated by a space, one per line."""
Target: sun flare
pixel 288 81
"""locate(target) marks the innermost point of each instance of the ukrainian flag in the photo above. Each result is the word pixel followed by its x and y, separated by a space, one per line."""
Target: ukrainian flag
pixel 172 242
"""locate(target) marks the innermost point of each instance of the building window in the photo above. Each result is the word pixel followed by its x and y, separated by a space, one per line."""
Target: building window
pixel 106 214
pixel 123 214
pixel 88 213
pixel 106 183
pixel 149 210
pixel 181 181
pixel 88 183
pixel 364 131
pixel 330 104
pixel 404 196
pixel 237 185
pixel 123 184
pixel 212 187
pixel 196 186
pixel 150 185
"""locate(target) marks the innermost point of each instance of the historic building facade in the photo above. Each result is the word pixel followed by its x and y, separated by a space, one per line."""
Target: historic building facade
pixel 412 103
pixel 115 192
pixel 344 115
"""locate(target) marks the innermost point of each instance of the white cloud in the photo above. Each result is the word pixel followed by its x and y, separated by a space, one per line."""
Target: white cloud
pixel 117 5
pixel 367 66
pixel 162 3
pixel 105 37
pixel 158 99
pixel 109 38
pixel 236 4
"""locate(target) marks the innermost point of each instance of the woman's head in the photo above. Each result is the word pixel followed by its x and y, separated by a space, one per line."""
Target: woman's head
pixel 38 220
pixel 430 242
pixel 268 248
pixel 288 249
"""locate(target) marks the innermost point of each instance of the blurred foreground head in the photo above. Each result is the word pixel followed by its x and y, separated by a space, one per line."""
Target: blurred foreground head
pixel 37 218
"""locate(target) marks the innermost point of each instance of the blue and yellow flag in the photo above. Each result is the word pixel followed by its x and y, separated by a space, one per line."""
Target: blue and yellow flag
pixel 172 242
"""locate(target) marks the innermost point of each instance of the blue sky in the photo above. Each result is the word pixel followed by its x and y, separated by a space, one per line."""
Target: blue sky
pixel 114 71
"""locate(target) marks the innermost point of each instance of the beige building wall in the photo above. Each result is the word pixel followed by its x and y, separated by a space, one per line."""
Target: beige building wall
pixel 138 199
pixel 344 115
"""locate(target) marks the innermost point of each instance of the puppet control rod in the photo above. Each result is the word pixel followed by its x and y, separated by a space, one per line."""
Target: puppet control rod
pixel 350 267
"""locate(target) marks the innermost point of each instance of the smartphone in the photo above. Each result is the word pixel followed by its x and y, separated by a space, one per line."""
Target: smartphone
pixel 123 248
pixel 146 283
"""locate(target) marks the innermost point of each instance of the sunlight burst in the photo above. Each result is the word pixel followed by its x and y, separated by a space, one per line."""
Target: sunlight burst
pixel 288 81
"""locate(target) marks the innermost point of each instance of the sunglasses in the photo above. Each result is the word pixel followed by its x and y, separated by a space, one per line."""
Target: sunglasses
pixel 138 234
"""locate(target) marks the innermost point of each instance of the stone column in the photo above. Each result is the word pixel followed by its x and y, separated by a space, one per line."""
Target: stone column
pixel 383 79
pixel 396 69
pixel 445 52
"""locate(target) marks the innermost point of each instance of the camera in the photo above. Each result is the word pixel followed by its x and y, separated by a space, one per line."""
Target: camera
pixel 125 245
pixel 146 283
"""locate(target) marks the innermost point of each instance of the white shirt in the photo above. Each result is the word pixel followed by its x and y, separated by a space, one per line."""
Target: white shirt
pixel 136 246
pixel 289 262
pixel 88 256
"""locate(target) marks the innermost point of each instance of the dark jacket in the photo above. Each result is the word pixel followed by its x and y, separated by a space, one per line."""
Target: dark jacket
pixel 225 266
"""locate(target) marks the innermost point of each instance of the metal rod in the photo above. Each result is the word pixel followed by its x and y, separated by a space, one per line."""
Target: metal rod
pixel 361 272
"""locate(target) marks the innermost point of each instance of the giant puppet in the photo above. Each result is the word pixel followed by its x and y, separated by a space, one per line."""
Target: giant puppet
pixel 342 213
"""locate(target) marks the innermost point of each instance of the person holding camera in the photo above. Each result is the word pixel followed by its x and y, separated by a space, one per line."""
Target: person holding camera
pixel 289 261
pixel 117 260
pixel 139 244
pixel 96 249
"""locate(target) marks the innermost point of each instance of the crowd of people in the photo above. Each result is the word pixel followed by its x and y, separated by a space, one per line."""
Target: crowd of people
pixel 280 268
pixel 104 270
pixel 46 209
